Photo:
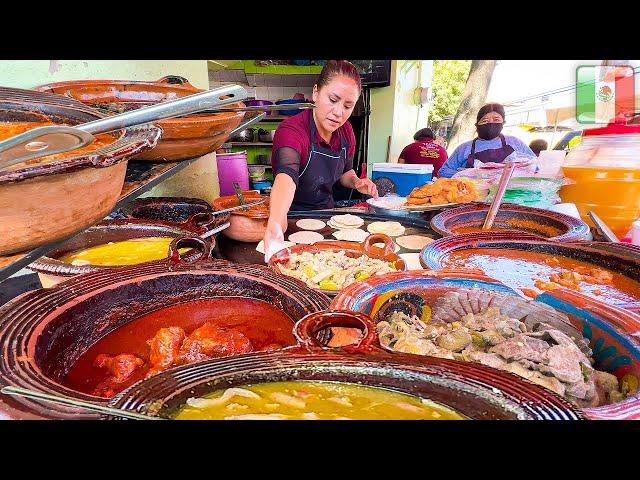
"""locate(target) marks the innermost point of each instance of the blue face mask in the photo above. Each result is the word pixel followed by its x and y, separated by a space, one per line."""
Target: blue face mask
pixel 489 131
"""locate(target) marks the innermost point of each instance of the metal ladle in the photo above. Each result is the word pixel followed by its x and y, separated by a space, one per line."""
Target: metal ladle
pixel 606 232
pixel 507 173
pixel 72 402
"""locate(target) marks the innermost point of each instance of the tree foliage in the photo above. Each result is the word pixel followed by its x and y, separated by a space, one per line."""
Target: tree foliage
pixel 449 79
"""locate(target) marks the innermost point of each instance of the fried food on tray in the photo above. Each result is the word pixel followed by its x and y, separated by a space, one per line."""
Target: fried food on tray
pixel 444 190
pixel 417 201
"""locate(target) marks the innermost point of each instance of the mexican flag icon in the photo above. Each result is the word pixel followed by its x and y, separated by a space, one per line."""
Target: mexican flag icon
pixel 604 93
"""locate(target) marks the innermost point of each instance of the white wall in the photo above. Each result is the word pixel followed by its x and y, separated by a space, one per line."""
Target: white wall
pixel 394 111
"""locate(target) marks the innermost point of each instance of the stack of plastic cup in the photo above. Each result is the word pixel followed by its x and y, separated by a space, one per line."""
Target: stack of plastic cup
pixel 566 208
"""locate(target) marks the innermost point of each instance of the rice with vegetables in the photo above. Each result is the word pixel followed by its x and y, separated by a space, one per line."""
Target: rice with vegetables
pixel 331 270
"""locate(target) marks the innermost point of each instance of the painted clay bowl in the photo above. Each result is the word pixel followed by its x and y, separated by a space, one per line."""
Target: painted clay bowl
pixel 547 224
pixel 42 202
pixel 351 249
pixel 183 137
pixel 45 332
pixel 529 253
pixel 613 333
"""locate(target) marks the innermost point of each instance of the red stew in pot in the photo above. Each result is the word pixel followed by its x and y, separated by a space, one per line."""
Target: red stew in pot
pixel 178 335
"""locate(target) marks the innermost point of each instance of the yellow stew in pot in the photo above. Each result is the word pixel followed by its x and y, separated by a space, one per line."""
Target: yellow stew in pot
pixel 126 252
pixel 305 400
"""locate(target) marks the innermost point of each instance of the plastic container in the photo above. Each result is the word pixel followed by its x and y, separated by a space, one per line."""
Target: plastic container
pixel 261 186
pixel 635 232
pixel 605 167
pixel 400 178
pixel 259 103
pixel 232 167
pixel 257 173
pixel 293 111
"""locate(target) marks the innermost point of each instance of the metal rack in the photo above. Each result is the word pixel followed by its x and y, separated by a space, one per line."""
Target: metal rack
pixel 140 177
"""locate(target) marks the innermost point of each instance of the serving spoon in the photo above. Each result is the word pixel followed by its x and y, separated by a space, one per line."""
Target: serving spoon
pixel 72 402
pixel 507 173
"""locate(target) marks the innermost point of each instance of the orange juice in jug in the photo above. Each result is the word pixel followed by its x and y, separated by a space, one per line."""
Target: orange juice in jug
pixel 605 167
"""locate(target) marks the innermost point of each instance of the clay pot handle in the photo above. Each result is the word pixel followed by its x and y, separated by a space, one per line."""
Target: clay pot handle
pixel 376 238
pixel 174 80
pixel 202 222
pixel 306 329
pixel 202 246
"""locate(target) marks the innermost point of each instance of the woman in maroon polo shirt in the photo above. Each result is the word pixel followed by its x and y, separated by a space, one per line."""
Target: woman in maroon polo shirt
pixel 424 151
pixel 314 149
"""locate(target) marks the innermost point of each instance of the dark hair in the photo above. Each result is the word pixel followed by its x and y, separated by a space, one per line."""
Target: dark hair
pixel 490 107
pixel 338 67
pixel 538 145
pixel 424 133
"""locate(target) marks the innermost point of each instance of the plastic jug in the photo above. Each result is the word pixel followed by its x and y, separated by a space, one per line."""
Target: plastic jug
pixel 232 167
pixel 605 167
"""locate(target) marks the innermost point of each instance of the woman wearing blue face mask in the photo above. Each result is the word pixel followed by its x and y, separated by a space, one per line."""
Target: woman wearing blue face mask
pixel 489 146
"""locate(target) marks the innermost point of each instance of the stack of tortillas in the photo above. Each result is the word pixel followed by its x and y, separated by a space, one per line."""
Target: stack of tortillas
pixel 305 237
pixel 310 224
pixel 393 229
pixel 351 235
pixel 413 242
pixel 343 222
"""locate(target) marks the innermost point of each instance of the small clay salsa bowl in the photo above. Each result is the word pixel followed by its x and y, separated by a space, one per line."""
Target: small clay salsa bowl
pixel 351 249
pixel 550 225
pixel 50 338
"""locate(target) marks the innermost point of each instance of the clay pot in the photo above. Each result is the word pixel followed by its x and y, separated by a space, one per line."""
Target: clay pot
pixel 545 223
pixel 474 391
pixel 44 332
pixel 620 258
pixel 165 209
pixel 351 249
pixel 45 202
pixel 247 225
pixel 183 137
pixel 53 271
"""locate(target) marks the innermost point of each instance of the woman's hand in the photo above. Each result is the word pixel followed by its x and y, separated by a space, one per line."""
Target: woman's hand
pixel 366 186
pixel 273 239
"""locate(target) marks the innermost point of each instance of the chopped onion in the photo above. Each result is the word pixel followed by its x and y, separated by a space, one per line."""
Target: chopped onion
pixel 228 394
pixel 288 400
pixel 257 416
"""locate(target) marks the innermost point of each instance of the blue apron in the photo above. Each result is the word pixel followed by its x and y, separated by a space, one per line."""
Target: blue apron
pixel 323 169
